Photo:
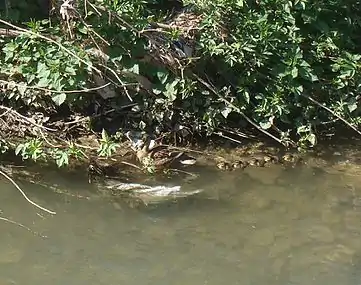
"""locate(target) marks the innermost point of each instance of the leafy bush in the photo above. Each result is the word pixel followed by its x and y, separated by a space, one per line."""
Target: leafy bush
pixel 287 69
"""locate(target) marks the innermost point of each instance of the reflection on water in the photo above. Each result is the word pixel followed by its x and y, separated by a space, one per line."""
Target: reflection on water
pixel 261 226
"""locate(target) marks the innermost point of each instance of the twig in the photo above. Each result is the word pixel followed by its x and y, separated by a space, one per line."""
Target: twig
pixel 47 141
pixel 130 164
pixel 56 91
pixel 95 9
pixel 22 192
pixel 186 149
pixel 237 133
pixel 332 112
pixel 227 137
pixel 170 27
pixel 239 111
pixel 9 33
pixel 52 41
pixel 25 118
pixel 20 225
pixel 182 171
pixel 121 82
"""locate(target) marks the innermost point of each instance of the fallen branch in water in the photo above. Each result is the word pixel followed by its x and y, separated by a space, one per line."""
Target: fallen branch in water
pixel 26 197
pixel 20 225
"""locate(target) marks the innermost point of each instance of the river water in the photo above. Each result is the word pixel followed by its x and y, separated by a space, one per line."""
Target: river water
pixel 260 226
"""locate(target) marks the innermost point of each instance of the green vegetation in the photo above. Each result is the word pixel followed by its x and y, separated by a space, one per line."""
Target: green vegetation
pixel 287 70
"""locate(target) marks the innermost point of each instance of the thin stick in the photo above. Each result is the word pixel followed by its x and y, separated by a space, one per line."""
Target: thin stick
pixel 56 91
pixel 227 137
pixel 122 84
pixel 237 109
pixel 26 197
pixel 15 223
pixel 20 225
pixel 52 41
pixel 182 171
pixel 25 118
pixel 131 164
pixel 332 112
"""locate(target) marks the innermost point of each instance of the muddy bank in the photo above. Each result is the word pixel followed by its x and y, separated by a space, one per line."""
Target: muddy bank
pixel 123 165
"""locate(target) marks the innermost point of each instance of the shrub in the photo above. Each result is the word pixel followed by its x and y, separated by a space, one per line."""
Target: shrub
pixel 288 69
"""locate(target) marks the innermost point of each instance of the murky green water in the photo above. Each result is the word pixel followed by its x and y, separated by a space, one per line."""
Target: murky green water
pixel 262 226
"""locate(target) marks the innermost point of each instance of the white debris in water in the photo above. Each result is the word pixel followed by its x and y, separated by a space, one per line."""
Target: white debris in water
pixel 160 191
pixel 156 191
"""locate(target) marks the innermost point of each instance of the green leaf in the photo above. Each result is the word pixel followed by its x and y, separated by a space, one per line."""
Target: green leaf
pixel 312 139
pixel 134 69
pixel 43 82
pixel 62 158
pixel 265 125
pixel 59 99
pixel 22 88
pixel 226 111
pixel 105 136
pixel 70 70
pixel 298 89
pixel 170 90
pixel 162 76
pixel 352 107
pixel 307 74
pixel 83 29
pixel 157 91
pixel 19 149
pixel 246 96
pixel 42 71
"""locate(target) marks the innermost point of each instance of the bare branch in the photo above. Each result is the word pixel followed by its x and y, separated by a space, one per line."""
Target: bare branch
pixel 332 112
pixel 20 225
pixel 25 118
pixel 52 41
pixel 238 110
pixel 22 192
pixel 55 91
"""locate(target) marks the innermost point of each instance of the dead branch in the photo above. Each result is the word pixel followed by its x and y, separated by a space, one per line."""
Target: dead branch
pixel 9 32
pixel 20 225
pixel 87 90
pixel 24 195
pixel 331 112
pixel 48 39
pixel 238 110
pixel 23 118
pixel 130 164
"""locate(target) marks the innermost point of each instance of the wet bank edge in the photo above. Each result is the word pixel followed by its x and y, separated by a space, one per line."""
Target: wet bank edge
pixel 224 158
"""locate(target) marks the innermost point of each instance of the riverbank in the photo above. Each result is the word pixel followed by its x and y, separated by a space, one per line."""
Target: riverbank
pixel 124 166
pixel 183 74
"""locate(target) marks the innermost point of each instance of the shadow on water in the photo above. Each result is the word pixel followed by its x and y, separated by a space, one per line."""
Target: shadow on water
pixel 268 226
